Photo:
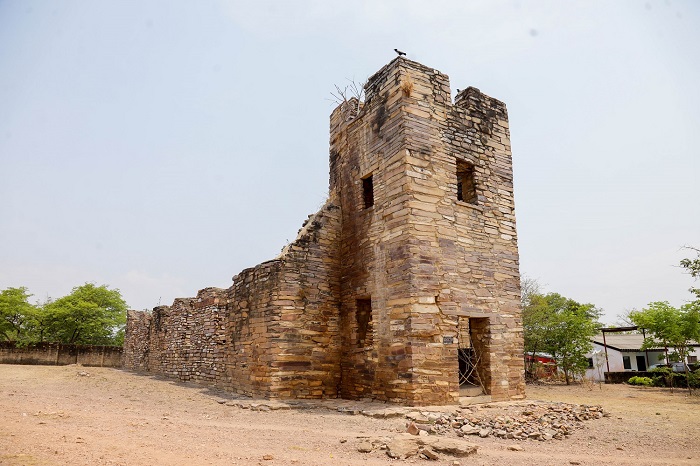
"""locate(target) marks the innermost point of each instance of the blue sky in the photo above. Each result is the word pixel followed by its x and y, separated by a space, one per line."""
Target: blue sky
pixel 162 146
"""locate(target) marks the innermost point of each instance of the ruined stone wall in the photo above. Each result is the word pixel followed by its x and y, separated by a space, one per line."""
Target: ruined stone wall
pixel 137 341
pixel 307 349
pixel 273 333
pixel 283 319
pixel 184 341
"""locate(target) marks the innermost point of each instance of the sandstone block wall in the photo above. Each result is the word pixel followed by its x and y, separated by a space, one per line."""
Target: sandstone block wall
pixel 415 248
pixel 273 333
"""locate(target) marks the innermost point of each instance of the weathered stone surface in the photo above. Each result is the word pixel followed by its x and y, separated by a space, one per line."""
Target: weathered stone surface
pixel 407 445
pixel 413 256
pixel 450 446
pixel 402 447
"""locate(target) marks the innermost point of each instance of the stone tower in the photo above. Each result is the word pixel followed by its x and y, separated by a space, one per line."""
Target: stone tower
pixel 404 285
pixel 428 247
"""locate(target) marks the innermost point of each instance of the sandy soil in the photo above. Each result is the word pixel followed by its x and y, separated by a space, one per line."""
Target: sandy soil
pixel 53 416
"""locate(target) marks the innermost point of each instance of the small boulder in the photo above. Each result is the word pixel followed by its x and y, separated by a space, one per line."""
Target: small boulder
pixel 429 454
pixel 365 446
pixel 402 447
pixel 469 430
pixel 412 429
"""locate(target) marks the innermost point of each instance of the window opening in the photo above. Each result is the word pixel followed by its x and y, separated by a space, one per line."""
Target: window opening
pixel 363 315
pixel 626 362
pixel 466 186
pixel 368 191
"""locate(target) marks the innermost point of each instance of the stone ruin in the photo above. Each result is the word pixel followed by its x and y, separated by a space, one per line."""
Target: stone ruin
pixel 403 287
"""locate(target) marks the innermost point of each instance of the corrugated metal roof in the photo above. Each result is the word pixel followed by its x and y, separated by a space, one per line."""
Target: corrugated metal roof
pixel 621 341
pixel 625 342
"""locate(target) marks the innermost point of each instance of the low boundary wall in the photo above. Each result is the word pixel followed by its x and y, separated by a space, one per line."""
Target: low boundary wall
pixel 57 354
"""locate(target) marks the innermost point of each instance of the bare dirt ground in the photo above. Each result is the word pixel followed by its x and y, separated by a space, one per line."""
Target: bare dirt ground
pixel 53 416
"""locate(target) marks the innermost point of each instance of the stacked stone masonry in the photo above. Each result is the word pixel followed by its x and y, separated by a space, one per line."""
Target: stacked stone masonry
pixel 370 299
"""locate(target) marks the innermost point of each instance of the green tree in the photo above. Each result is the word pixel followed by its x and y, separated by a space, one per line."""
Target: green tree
pixel 561 327
pixel 693 268
pixel 90 314
pixel 16 314
pixel 675 328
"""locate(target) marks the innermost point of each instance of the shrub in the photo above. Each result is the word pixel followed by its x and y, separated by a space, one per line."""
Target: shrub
pixel 645 381
pixel 666 377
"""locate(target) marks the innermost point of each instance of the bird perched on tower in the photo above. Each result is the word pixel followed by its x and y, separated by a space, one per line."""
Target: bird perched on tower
pixel 399 52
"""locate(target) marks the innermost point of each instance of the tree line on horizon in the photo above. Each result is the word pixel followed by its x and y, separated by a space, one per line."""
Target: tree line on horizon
pixel 88 315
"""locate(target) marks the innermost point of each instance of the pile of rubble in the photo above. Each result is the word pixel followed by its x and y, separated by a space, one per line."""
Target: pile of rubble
pixel 535 421
pixel 428 432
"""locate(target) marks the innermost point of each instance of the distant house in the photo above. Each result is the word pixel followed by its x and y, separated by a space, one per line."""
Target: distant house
pixel 625 354
pixel 545 364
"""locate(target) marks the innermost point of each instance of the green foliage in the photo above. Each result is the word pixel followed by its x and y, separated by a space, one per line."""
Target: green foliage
pixel 645 381
pixel 90 314
pixel 693 379
pixel 561 327
pixel 16 314
pixel 670 327
pixel 666 377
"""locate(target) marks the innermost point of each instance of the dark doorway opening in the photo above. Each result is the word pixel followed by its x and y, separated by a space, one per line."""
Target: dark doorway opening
pixel 469 357
pixel 641 363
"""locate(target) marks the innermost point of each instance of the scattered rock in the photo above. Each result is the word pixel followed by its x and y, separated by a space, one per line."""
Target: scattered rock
pixel 365 446
pixel 539 421
pixel 402 447
pixel 469 430
pixel 268 457
pixel 83 374
pixel 515 448
pixel 412 429
pixel 449 446
pixel 429 454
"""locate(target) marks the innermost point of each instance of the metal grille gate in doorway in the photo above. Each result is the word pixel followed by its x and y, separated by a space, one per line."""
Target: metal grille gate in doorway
pixel 468 356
